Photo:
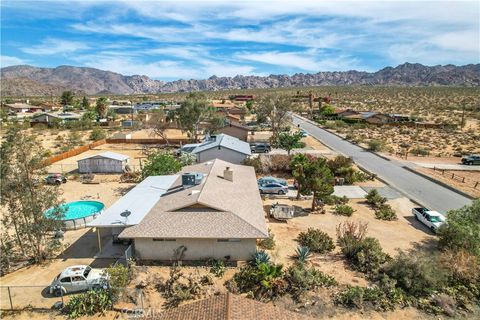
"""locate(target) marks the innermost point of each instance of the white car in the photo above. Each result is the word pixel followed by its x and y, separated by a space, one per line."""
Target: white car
pixel 431 219
pixel 78 278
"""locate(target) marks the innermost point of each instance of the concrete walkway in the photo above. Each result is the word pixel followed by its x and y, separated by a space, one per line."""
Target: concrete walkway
pixel 415 187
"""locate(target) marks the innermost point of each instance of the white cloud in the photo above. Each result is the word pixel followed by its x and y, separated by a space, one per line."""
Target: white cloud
pixel 51 46
pixel 6 61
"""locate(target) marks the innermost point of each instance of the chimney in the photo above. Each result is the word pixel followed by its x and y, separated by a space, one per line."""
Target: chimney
pixel 228 174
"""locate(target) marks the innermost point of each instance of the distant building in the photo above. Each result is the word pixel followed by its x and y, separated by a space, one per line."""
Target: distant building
pixel 107 162
pixel 235 129
pixel 54 118
pixel 23 108
pixel 243 97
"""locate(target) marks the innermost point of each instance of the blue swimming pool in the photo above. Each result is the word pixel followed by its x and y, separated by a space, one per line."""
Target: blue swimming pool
pixel 80 209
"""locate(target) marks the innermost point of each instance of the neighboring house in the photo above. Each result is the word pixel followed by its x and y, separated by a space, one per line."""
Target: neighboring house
pixel 54 118
pixel 23 108
pixel 243 98
pixel 346 113
pixel 212 210
pixel 378 118
pixel 122 109
pixel 228 306
pixel 235 129
pixel 107 162
pixel 222 147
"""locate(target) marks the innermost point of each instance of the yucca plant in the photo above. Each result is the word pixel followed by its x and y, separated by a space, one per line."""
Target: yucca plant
pixel 259 257
pixel 303 254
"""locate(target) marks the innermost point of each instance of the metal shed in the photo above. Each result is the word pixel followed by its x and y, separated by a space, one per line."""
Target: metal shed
pixel 107 162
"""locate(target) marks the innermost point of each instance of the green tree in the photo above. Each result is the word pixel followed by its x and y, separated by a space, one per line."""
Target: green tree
pixel 462 230
pixel 26 199
pixel 327 109
pixel 313 177
pixel 287 141
pixel 159 122
pixel 215 123
pixel 97 134
pixel 90 115
pixel 160 163
pixel 85 104
pixel 102 107
pixel 67 98
pixel 193 111
pixel 276 109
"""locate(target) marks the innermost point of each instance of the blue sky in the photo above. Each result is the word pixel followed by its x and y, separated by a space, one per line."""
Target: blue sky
pixel 197 39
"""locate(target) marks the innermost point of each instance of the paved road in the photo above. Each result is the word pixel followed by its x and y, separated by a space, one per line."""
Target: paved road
pixel 417 188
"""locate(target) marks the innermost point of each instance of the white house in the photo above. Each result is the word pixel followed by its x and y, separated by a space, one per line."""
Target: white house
pixel 107 162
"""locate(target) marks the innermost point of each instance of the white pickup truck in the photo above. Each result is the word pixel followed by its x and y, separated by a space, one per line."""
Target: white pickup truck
pixel 431 219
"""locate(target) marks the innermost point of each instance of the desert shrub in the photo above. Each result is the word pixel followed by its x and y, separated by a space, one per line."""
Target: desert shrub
pixel 88 304
pixel 301 279
pixel 416 274
pixel 385 212
pixel 360 298
pixel 344 210
pixel 316 240
pixel 160 163
pixel 217 267
pixel 256 163
pixel 119 276
pixel 350 232
pixel 376 145
pixel 366 256
pixel 375 199
pixel 419 151
pixel 302 254
pixel 334 200
pixel 268 243
pixel 463 267
pixel 259 257
pixel 97 134
pixel 338 163
pixel 264 281
pixel 178 287
pixel 279 162
pixel 462 230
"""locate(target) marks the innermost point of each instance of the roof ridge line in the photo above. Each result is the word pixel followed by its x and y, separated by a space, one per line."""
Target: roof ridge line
pixel 206 178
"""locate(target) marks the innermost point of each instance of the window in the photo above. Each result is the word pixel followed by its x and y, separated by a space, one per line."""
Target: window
pixel 229 240
pixel 65 280
pixel 164 239
pixel 78 278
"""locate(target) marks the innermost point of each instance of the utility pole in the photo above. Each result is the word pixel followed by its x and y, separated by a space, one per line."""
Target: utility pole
pixel 462 124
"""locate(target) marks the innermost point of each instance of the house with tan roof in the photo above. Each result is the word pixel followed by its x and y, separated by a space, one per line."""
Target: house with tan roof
pixel 208 210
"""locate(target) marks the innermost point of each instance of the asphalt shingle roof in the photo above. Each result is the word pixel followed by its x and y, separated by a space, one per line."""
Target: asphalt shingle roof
pixel 108 155
pixel 225 141
pixel 228 306
pixel 216 208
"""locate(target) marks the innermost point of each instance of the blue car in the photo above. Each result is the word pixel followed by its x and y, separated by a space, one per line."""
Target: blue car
pixel 267 180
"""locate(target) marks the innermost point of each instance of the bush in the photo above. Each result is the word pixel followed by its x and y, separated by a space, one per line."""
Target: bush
pixel 462 230
pixel 344 210
pixel 217 267
pixel 119 276
pixel 417 275
pixel 375 199
pixel 333 200
pixel 259 257
pixel 160 163
pixel 376 145
pixel 385 212
pixel 350 232
pixel 268 243
pixel 316 240
pixel 97 134
pixel 301 279
pixel 366 255
pixel 88 304
pixel 359 297
pixel 302 254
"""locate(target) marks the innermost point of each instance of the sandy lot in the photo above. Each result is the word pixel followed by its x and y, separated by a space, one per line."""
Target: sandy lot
pixel 405 233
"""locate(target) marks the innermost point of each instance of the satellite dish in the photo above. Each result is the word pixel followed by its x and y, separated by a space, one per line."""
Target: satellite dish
pixel 126 213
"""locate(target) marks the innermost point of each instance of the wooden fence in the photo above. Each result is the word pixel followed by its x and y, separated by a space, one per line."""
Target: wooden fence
pixel 149 141
pixel 74 152
pixel 457 177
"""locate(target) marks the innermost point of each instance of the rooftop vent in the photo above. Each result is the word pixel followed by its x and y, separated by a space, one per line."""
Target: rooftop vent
pixel 191 179
pixel 228 174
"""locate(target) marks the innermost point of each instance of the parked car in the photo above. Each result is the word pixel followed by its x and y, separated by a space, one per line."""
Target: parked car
pixel 55 178
pixel 267 180
pixel 260 147
pixel 273 188
pixel 431 219
pixel 78 278
pixel 303 133
pixel 471 159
